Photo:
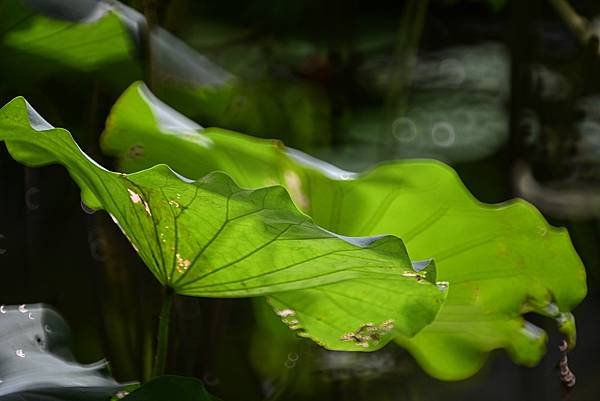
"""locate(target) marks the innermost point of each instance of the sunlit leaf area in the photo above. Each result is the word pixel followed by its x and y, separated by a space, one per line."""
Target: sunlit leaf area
pixel 301 200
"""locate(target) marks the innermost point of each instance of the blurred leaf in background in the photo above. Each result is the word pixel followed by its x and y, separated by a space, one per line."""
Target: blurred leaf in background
pixel 85 37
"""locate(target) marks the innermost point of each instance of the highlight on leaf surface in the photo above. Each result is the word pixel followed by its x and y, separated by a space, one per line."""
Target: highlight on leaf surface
pixel 211 238
pixel 501 261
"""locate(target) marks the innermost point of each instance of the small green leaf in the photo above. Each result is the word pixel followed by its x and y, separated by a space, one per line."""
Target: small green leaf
pixel 211 238
pixel 165 388
pixel 501 261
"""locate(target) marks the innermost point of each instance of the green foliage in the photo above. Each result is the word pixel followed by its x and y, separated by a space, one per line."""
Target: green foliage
pixel 34 46
pixel 105 39
pixel 501 260
pixel 211 238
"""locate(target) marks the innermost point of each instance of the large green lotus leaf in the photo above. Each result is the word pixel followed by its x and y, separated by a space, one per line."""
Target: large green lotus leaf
pixel 502 261
pixel 211 238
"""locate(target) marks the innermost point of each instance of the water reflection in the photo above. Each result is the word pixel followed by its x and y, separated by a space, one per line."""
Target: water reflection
pixel 337 366
pixel 455 109
pixel 33 356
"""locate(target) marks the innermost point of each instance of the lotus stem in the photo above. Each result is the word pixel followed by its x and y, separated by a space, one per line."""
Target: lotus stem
pixel 162 341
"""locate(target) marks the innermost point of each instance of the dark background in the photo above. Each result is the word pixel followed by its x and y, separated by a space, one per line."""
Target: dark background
pixel 53 251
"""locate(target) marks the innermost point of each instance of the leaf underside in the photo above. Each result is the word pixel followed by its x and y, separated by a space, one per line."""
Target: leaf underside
pixel 211 238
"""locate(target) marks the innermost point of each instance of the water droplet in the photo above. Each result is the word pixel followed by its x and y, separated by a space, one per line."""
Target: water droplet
pixel 290 364
pixel 29 201
pixel 404 129
pixel 174 203
pixel 122 394
pixel 3 309
pixel 541 231
pixel 23 308
pixel 292 356
pixel 20 353
pixel 442 134
pixel 286 313
pixel 47 329
pixel 30 316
